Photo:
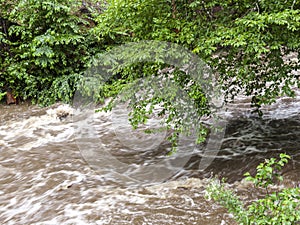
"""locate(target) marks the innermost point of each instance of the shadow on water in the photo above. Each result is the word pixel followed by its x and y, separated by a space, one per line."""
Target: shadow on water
pixel 247 142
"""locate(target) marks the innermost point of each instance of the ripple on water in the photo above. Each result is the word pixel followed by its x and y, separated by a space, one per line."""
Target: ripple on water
pixel 45 180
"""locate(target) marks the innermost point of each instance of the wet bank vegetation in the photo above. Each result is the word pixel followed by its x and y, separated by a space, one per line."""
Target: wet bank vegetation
pixel 276 206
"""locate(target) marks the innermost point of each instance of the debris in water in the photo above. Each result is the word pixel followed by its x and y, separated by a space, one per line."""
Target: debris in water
pixel 61 112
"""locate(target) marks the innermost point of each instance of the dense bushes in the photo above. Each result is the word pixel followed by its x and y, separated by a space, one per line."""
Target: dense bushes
pixel 46 41
pixel 44 47
pixel 245 42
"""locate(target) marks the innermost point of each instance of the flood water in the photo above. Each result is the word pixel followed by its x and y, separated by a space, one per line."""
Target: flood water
pixel 49 173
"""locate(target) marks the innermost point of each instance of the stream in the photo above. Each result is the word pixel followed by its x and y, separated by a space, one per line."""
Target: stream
pixel 50 174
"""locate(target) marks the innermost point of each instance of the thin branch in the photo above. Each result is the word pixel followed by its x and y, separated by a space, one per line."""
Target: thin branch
pixel 293 4
pixel 173 9
pixel 257 7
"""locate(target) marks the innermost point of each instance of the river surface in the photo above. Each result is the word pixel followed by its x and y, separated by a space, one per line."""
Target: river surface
pixel 49 174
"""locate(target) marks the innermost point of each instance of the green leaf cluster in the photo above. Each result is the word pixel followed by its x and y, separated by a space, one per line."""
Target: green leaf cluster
pixel 44 47
pixel 281 207
pixel 268 171
pixel 245 42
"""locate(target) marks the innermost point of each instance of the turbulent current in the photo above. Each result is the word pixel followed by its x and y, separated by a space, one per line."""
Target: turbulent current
pixel 49 174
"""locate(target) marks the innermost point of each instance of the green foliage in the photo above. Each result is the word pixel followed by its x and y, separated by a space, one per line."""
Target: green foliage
pixel 245 42
pixel 228 199
pixel 281 207
pixel 44 48
pixel 268 171
pixel 277 208
pixel 138 74
pixel 258 43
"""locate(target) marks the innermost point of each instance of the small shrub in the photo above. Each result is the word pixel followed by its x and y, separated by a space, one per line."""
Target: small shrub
pixel 281 207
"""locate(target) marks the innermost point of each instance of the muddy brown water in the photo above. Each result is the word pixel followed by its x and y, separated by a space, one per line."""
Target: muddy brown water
pixel 45 178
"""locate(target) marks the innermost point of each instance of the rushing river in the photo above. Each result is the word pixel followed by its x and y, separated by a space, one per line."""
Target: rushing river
pixel 46 178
